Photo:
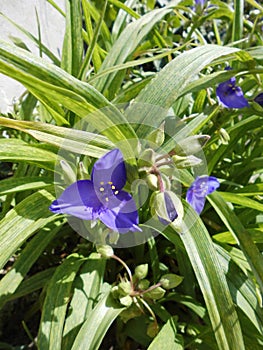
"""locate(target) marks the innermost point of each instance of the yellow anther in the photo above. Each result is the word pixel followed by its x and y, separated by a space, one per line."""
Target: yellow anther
pixel 101 189
pixel 113 187
pixel 110 183
pixel 107 199
pixel 116 192
pixel 102 183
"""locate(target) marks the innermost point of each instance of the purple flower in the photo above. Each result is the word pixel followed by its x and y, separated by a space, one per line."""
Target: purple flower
pixel 230 95
pixel 259 99
pixel 200 188
pixel 102 196
pixel 199 5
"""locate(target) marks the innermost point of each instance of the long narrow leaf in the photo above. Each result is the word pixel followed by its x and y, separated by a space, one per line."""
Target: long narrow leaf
pixel 23 221
pixel 98 322
pixel 28 256
pixel 246 243
pixel 56 303
pixel 87 291
pixel 212 282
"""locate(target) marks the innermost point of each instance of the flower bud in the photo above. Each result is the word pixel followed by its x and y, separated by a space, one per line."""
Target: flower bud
pixel 186 162
pixel 105 251
pixel 152 181
pixel 147 158
pixel 143 284
pixel 171 280
pixel 168 207
pixel 126 300
pixel 259 99
pixel 156 293
pixel 125 288
pixel 141 271
pixel 156 137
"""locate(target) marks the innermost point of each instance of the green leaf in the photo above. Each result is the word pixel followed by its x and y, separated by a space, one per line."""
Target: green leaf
pixel 23 221
pixel 77 141
pixel 165 88
pixel 31 284
pixel 227 237
pixel 72 46
pixel 242 289
pixel 240 200
pixel 212 281
pixel 87 286
pixel 15 150
pixel 92 46
pixel 168 337
pixel 246 243
pixel 120 21
pixel 125 45
pixel 97 323
pixel 10 282
pixel 34 39
pixel 19 184
pixel 44 79
pixel 56 303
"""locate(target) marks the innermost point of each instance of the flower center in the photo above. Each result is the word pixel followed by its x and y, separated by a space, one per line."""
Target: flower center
pixel 107 190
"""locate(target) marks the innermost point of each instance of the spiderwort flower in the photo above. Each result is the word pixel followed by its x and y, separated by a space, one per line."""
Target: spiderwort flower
pixel 230 95
pixel 102 196
pixel 200 188
pixel 199 6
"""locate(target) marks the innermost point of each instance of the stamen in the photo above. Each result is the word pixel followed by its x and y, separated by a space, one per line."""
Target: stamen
pixel 116 192
pixel 113 187
pixel 101 189
pixel 107 199
pixel 110 182
pixel 102 183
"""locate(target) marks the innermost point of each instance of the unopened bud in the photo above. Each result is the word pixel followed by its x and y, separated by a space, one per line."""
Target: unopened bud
pixel 186 161
pixel 147 158
pixel 156 293
pixel 125 288
pixel 168 207
pixel 171 280
pixel 152 181
pixel 141 271
pixel 143 284
pixel 105 251
pixel 157 136
pixel 126 300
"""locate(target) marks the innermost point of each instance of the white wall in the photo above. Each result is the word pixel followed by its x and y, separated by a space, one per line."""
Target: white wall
pixel 23 13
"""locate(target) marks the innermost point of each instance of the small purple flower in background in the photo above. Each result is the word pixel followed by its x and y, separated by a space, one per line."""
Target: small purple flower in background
pixel 102 196
pixel 230 95
pixel 259 99
pixel 199 5
pixel 200 188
